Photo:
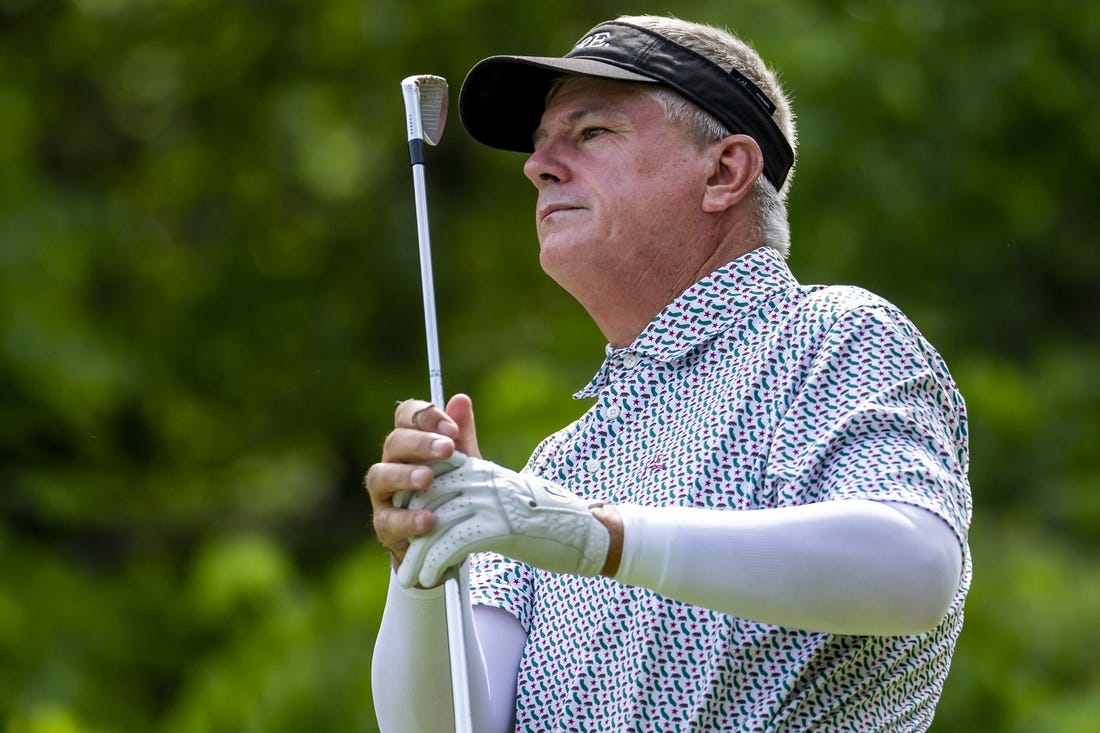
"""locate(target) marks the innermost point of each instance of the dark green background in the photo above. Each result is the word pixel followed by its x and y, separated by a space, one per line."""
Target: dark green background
pixel 209 302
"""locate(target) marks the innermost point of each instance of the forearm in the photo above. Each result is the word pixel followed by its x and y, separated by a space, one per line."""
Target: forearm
pixel 410 653
pixel 850 567
pixel 410 674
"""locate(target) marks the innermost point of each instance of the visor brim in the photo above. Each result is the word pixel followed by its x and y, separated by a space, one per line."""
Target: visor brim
pixel 503 97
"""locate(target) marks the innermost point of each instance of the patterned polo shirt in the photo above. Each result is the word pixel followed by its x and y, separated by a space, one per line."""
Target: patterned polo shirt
pixel 748 391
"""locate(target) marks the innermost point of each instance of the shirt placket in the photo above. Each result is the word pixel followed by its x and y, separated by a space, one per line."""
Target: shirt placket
pixel 602 449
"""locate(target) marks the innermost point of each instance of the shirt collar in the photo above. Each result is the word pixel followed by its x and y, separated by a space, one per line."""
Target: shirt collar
pixel 712 305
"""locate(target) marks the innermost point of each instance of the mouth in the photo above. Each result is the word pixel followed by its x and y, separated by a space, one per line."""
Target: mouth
pixel 547 210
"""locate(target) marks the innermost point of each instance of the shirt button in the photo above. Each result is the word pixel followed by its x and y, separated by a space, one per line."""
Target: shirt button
pixel 630 361
pixel 592 464
pixel 613 412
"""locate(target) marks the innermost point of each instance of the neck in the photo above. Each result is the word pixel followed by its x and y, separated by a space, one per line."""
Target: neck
pixel 623 304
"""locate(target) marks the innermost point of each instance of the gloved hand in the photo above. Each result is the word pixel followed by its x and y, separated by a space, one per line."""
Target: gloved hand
pixel 482 506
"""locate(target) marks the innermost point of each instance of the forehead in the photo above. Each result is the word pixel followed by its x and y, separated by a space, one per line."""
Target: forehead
pixel 605 92
pixel 579 97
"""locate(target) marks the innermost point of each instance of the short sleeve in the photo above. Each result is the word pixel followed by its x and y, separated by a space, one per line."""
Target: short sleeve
pixel 502 583
pixel 876 417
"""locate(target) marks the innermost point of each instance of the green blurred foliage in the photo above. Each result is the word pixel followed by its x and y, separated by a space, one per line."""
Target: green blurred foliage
pixel 209 302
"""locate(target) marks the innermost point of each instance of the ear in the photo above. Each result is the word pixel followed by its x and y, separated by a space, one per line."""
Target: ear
pixel 738 162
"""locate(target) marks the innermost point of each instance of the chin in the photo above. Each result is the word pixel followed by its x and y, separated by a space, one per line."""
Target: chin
pixel 573 273
pixel 556 262
pixel 548 261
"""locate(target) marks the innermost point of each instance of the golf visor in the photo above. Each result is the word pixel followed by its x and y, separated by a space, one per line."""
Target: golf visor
pixel 503 97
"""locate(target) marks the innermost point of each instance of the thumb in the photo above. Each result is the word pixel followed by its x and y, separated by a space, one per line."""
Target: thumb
pixel 460 408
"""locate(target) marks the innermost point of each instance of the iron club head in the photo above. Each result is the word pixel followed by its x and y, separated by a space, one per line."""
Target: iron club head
pixel 425 106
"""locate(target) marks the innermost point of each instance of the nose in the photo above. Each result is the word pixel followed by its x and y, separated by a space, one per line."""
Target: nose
pixel 545 166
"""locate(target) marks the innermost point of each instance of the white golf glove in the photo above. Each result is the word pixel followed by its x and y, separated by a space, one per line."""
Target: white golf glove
pixel 482 506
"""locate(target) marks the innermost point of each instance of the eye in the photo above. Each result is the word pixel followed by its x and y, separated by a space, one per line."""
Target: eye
pixel 589 133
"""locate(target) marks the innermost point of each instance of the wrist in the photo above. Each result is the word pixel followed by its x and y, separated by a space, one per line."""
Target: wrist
pixel 609 517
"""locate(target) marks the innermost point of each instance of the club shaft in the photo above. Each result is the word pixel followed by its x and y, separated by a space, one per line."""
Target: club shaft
pixel 431 327
pixel 456 602
pixel 453 596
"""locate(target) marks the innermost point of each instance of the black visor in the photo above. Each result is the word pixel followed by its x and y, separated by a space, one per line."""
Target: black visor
pixel 503 97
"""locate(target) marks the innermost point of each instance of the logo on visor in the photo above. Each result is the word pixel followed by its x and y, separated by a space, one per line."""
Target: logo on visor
pixel 594 41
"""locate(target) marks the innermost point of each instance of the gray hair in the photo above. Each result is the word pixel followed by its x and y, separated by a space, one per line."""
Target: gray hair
pixel 729 51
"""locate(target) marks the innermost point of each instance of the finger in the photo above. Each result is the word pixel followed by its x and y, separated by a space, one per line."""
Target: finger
pixel 436 564
pixel 429 556
pixel 396 528
pixel 452 542
pixel 408 573
pixel 407 445
pixel 383 480
pixel 393 526
pixel 458 531
pixel 461 410
pixel 421 415
pixel 438 501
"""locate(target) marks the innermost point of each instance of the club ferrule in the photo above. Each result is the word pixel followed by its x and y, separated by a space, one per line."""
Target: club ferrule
pixel 416 151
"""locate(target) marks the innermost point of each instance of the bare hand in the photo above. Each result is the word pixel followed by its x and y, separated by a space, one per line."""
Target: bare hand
pixel 422 433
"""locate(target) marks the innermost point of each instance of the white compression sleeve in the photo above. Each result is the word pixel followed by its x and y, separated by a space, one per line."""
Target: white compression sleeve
pixel 410 674
pixel 502 640
pixel 846 567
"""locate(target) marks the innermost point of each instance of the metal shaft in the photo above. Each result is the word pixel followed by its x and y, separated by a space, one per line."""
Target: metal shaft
pixel 426 113
pixel 431 328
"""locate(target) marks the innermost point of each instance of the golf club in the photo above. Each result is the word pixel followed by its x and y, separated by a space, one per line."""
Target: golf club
pixel 426 113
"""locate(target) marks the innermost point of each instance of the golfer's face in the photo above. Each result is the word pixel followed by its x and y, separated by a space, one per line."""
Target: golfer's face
pixel 614 180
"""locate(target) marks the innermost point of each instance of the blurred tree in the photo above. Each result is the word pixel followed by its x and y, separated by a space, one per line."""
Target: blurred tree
pixel 209 303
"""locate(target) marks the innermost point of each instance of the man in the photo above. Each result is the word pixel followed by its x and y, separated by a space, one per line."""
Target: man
pixel 761 523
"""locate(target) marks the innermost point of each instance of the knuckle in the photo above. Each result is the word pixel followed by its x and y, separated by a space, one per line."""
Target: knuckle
pixel 388 444
pixel 416 416
pixel 408 411
pixel 382 481
pixel 370 478
pixel 385 530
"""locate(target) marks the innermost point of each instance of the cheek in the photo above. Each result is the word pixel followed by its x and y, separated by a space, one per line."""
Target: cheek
pixel 660 206
pixel 657 194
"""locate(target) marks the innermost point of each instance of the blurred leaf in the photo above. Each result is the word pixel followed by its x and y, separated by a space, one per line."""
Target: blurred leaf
pixel 210 300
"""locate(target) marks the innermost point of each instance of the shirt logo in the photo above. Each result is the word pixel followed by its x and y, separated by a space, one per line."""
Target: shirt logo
pixel 596 40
